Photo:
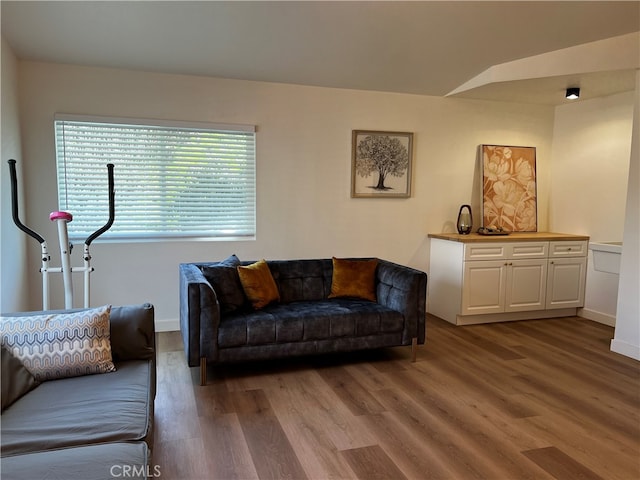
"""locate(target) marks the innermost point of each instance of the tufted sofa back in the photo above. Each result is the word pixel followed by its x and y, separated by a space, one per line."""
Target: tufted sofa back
pixel 307 279
pixel 301 280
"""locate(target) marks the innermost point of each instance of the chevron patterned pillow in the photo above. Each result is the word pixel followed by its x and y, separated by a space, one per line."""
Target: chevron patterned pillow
pixel 60 345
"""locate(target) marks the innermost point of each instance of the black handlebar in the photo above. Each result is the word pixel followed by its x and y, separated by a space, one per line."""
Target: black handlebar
pixel 14 204
pixel 112 209
pixel 31 233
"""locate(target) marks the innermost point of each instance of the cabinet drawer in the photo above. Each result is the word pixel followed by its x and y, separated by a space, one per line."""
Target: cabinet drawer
pixel 485 251
pixel 499 251
pixel 528 250
pixel 568 249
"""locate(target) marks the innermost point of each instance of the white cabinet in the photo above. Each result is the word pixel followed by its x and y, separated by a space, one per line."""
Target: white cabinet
pixel 485 290
pixel 480 282
pixel 526 285
pixel 566 282
pixel 566 274
pixel 568 249
pixel 511 284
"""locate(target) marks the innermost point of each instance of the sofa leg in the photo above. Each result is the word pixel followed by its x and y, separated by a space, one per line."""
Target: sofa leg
pixel 414 347
pixel 203 370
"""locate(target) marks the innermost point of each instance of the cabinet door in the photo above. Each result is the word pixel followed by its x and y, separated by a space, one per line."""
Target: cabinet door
pixel 526 285
pixel 483 287
pixel 565 282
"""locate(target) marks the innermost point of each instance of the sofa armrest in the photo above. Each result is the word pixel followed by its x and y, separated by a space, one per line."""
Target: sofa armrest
pixel 404 289
pixel 133 334
pixel 199 315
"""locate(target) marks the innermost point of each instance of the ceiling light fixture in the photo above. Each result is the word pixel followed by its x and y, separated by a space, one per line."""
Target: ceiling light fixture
pixel 573 93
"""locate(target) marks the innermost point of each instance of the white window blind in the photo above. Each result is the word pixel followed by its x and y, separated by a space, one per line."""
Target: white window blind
pixel 171 179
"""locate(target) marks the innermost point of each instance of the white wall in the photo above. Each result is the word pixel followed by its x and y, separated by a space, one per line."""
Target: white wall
pixel 13 260
pixel 304 167
pixel 627 335
pixel 590 166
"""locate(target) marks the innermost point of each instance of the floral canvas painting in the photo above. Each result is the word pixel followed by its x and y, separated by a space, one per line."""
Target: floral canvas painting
pixel 509 188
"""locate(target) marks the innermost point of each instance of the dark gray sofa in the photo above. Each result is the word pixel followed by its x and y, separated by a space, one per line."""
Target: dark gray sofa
pixel 305 321
pixel 93 426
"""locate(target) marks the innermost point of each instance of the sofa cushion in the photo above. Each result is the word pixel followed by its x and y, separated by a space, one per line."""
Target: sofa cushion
pixel 69 412
pixel 60 345
pixel 354 278
pixel 225 280
pixel 258 284
pixel 90 462
pixel 312 320
pixel 16 379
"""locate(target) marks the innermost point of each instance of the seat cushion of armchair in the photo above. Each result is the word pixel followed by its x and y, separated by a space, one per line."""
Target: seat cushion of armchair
pixel 111 407
pixel 307 321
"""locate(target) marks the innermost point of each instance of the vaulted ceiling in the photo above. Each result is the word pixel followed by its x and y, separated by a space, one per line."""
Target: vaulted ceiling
pixel 427 48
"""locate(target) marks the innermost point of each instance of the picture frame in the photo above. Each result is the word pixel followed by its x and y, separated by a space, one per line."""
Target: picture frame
pixel 381 164
pixel 509 188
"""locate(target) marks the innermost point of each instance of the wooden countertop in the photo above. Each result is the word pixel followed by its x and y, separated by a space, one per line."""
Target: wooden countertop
pixel 512 237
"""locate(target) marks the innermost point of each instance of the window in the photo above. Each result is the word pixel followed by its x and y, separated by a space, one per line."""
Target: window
pixel 171 179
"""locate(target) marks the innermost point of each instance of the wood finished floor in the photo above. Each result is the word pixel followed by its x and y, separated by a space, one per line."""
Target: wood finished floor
pixel 542 399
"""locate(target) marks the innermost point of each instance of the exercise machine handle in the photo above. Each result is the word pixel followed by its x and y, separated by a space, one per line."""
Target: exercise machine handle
pixel 14 204
pixel 112 209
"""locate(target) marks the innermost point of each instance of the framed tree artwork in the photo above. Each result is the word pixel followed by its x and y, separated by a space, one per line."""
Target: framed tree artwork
pixel 509 198
pixel 381 164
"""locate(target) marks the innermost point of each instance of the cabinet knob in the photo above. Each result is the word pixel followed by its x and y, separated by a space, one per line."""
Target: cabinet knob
pixel 569 249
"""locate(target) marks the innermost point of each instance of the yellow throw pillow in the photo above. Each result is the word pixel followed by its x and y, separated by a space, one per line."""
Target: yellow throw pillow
pixel 258 284
pixel 354 278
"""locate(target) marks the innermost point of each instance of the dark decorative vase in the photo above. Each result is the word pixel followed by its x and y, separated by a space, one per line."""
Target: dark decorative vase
pixel 465 220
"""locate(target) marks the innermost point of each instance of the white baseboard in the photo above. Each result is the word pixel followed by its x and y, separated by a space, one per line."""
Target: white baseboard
pixel 169 325
pixel 596 316
pixel 511 316
pixel 626 349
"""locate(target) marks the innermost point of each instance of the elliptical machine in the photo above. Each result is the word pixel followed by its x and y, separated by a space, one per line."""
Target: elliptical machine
pixel 62 218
